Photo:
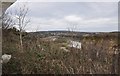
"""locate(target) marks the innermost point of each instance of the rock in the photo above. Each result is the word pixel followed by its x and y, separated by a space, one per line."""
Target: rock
pixel 64 48
pixel 5 58
pixel 75 44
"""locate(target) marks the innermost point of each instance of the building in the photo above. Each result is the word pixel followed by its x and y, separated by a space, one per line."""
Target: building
pixel 5 4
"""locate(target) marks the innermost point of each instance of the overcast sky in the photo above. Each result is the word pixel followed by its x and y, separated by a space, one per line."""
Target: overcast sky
pixel 81 16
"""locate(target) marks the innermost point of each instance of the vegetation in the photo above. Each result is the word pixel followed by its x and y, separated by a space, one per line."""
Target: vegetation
pixel 43 55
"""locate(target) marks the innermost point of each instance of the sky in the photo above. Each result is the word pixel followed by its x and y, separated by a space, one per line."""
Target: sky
pixel 77 16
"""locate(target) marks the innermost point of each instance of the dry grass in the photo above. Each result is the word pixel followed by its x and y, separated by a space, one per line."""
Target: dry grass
pixel 44 56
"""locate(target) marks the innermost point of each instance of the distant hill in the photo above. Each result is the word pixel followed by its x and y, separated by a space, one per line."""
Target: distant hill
pixel 69 33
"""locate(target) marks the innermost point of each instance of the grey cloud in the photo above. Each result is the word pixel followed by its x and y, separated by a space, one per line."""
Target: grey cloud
pixel 87 16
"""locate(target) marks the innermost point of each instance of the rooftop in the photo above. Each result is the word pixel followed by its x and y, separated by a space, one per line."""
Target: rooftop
pixel 8 0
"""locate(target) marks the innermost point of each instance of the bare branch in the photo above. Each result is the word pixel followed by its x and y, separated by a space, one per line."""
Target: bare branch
pixel 7 20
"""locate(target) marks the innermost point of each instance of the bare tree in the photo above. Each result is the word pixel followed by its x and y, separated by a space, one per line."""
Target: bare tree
pixel 22 21
pixel 7 20
pixel 71 30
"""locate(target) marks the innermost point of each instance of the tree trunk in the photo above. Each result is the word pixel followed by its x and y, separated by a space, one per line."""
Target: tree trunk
pixel 119 63
pixel 115 64
pixel 21 42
